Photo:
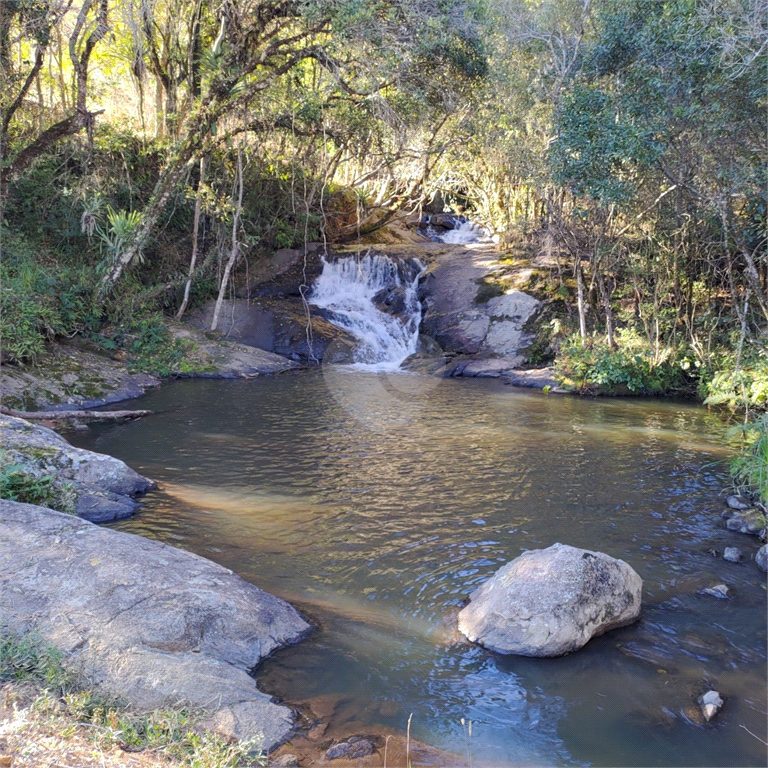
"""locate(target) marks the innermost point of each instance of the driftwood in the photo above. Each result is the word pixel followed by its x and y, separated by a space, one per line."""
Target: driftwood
pixel 52 415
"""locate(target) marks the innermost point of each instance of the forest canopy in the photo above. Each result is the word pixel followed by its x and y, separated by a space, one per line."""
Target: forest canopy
pixel 625 138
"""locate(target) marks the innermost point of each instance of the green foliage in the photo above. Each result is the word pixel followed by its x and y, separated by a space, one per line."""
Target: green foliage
pixel 745 387
pixel 18 482
pixel 119 233
pixel 631 368
pixel 148 346
pixel 29 658
pixel 39 302
pixel 750 467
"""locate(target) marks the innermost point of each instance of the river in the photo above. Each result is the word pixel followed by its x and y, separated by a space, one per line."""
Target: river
pixel 375 502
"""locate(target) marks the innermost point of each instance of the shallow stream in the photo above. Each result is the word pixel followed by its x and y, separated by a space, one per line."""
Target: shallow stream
pixel 376 502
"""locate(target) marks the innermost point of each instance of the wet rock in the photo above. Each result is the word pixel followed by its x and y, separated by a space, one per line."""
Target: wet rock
pixel 711 703
pixel 353 749
pixel 548 602
pixel 152 624
pixel 732 554
pixel 392 301
pixel 750 521
pixel 101 485
pixel 719 591
pixel 736 502
pixel 761 558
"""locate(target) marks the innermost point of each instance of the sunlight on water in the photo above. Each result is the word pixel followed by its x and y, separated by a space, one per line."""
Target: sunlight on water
pixel 379 506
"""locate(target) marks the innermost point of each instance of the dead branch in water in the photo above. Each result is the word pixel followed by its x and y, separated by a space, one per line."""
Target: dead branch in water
pixel 52 415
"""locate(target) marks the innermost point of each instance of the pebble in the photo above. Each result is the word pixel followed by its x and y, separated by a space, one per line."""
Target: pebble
pixel 720 590
pixel 736 502
pixel 711 703
pixel 732 554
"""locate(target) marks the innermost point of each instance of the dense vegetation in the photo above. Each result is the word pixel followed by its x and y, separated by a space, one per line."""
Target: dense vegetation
pixel 151 150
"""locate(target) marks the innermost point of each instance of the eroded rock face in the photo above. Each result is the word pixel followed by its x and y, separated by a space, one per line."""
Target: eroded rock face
pixel 548 602
pixel 155 625
pixel 102 485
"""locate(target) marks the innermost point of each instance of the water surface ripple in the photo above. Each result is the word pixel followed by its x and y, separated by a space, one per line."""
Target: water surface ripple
pixel 377 520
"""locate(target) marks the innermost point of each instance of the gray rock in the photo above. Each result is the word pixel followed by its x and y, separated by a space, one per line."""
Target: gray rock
pixel 720 591
pixel 732 554
pixel 711 703
pixel 736 502
pixel 750 521
pixel 52 451
pixel 548 602
pixel 152 624
pixel 101 485
pixel 460 324
pixel 353 749
pixel 761 558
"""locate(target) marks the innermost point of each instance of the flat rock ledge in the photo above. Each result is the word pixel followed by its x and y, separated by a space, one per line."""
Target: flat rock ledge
pixel 549 602
pixel 102 486
pixel 151 624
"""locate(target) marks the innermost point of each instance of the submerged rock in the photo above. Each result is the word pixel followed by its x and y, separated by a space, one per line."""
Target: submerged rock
pixel 732 554
pixel 711 703
pixel 149 623
pixel 353 749
pixel 548 602
pixel 719 590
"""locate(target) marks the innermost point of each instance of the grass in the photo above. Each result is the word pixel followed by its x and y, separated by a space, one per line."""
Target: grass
pixel 48 716
pixel 750 467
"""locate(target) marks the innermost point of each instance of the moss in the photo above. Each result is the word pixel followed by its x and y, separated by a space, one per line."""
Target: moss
pixel 489 287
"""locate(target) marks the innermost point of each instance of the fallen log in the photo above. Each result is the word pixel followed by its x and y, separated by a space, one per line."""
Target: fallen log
pixel 53 415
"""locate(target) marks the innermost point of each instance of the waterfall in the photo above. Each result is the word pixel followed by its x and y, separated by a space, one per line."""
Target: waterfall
pixel 466 232
pixel 375 299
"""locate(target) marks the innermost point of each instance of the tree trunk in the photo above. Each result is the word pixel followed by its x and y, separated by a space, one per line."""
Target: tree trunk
pixel 607 307
pixel 235 245
pixel 195 231
pixel 580 300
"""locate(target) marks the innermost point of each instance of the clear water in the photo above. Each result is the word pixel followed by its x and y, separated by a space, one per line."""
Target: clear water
pixel 376 503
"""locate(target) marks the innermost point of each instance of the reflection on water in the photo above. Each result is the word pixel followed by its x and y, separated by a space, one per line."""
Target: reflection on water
pixel 377 526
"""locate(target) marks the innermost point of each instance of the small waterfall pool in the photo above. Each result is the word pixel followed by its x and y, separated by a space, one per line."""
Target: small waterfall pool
pixel 376 503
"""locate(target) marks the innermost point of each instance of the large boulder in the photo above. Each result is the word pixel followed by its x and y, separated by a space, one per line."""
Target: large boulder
pixel 548 602
pixel 101 486
pixel 149 623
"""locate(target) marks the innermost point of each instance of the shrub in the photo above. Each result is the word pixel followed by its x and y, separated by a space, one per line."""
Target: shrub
pixel 745 387
pixel 633 367
pixel 750 467
pixel 38 302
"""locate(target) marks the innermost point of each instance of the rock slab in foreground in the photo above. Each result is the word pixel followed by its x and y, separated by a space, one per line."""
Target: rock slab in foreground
pixel 152 624
pixel 103 485
pixel 548 602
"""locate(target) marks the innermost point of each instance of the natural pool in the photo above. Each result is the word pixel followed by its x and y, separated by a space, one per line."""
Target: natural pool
pixel 376 502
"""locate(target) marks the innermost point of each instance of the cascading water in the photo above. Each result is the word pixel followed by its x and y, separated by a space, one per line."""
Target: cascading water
pixel 466 232
pixel 375 299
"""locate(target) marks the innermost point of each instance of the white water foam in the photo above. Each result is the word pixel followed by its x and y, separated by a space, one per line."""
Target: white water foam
pixel 347 287
pixel 466 232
